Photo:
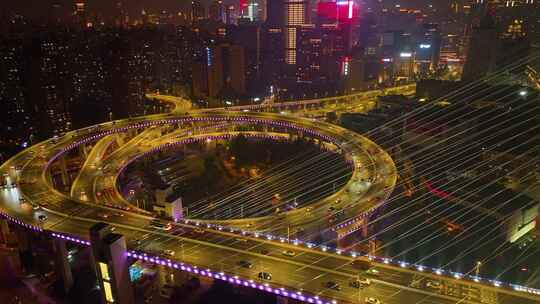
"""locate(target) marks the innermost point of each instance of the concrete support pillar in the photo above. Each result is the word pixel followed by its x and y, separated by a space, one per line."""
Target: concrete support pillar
pixel 83 151
pixel 62 263
pixel 4 231
pixel 365 227
pixel 131 133
pixel 180 277
pixel 163 276
pixel 120 139
pixel 49 178
pixel 23 239
pixel 112 265
pixel 63 171
pixel 24 248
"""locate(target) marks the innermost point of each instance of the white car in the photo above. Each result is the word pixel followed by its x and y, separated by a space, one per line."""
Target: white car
pixel 372 300
pixel 433 284
pixel 288 253
pixel 168 252
pixel 360 283
pixel 373 272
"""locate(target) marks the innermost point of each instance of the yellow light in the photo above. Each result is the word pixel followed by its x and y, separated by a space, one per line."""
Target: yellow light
pixel 108 292
pixel 104 271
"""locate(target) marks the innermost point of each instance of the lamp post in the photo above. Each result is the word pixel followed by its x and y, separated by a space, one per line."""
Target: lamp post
pixel 477 268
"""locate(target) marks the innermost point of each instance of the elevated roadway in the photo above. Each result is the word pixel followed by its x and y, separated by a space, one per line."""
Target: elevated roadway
pixel 212 245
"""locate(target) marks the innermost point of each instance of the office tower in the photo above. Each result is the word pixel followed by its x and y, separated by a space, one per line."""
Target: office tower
pixel 295 16
pixel 310 54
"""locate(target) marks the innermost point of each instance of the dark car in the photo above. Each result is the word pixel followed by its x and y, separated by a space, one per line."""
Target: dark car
pixel 245 264
pixel 332 285
pixel 265 276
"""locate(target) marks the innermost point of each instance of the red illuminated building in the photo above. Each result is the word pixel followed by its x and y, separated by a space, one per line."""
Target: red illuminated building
pixel 337 11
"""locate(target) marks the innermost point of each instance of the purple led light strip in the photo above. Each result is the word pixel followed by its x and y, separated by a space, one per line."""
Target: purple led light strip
pixel 231 279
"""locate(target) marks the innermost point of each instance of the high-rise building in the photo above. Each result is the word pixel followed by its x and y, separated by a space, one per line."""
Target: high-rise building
pixel 234 68
pixel 80 14
pixel 295 16
pixel 50 84
pixel 333 11
pixel 231 15
pixel 339 17
pixel 360 72
pixel 482 52
pixel 255 10
pixel 275 13
pixel 249 36
pixel 88 74
pixel 221 72
pixel 272 55
pixel 427 48
pixel 217 11
pixel 198 11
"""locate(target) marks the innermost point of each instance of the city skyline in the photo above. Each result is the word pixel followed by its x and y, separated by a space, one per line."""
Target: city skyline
pixel 278 151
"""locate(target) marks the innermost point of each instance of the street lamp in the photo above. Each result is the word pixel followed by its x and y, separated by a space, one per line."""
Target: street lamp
pixel 477 268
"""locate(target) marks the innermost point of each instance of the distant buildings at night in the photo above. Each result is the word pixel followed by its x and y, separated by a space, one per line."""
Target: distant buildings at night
pixel 81 60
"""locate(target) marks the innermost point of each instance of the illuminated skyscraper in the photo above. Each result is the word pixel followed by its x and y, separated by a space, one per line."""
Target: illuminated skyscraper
pixel 255 10
pixel 295 16
pixel 337 11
